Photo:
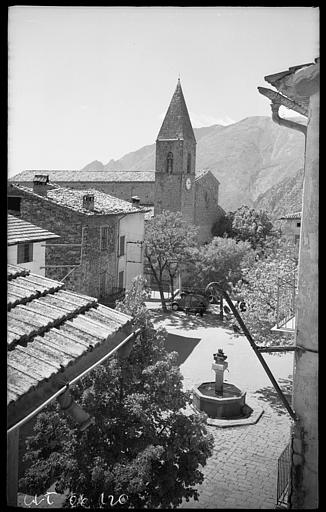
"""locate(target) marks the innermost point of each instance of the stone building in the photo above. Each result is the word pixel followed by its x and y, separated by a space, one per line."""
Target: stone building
pixel 100 249
pixel 291 224
pixel 26 244
pixel 174 184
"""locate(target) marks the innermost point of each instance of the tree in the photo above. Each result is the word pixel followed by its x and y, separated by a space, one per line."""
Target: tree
pixel 223 226
pixel 251 225
pixel 167 238
pixel 261 292
pixel 142 445
pixel 222 260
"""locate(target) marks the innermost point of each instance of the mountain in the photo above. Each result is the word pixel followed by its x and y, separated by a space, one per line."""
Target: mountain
pixel 284 197
pixel 248 158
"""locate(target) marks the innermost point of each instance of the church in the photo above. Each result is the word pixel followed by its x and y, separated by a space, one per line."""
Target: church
pixel 174 185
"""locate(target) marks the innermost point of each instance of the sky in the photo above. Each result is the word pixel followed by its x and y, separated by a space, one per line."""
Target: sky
pixel 94 83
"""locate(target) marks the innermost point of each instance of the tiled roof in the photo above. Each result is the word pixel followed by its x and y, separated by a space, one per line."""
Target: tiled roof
pixel 87 176
pixel 73 199
pixel 15 271
pixel 150 213
pixel 282 81
pixel 274 78
pixel 203 173
pixel 20 231
pixel 176 123
pixel 49 328
pixel 296 215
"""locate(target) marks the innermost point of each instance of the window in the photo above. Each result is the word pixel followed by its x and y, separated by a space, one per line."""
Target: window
pixel 298 224
pixel 169 163
pixel 189 163
pixel 24 253
pixel 106 238
pixel 121 279
pixel 14 204
pixel 122 246
pixel 296 238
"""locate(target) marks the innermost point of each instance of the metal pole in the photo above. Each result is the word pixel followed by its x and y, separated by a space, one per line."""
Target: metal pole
pixel 255 349
pixel 278 303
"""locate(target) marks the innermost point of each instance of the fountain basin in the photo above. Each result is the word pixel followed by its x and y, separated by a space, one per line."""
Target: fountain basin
pixel 230 404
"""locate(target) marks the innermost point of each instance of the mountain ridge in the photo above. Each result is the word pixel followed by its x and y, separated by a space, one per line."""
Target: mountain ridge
pixel 248 157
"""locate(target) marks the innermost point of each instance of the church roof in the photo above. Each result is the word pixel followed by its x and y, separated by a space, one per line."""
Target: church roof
pixel 203 173
pixel 75 176
pixel 177 122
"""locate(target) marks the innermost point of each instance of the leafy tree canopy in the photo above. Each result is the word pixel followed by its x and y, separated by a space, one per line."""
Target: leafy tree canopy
pixel 142 445
pixel 268 286
pixel 251 225
pixel 167 238
pixel 221 260
pixel 246 224
pixel 223 226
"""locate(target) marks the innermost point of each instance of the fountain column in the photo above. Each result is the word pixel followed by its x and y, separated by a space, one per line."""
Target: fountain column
pixel 219 368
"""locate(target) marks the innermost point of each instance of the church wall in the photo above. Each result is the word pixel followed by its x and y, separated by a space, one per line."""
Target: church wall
pixel 167 192
pixel 162 150
pixel 207 210
pixel 189 147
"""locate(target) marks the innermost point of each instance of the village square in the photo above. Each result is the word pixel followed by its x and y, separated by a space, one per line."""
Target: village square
pixel 162 327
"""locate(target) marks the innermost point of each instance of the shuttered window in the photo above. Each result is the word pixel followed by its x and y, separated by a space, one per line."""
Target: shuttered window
pixel 24 253
pixel 122 246
pixel 121 279
pixel 104 238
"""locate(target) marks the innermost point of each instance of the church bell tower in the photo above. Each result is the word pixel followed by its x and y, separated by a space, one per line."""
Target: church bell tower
pixel 176 161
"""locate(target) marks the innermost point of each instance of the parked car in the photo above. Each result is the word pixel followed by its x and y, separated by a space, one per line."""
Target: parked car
pixel 212 299
pixel 190 303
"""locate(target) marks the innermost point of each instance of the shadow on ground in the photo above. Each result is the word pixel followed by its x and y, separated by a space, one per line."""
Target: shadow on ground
pixel 188 322
pixel 182 345
pixel 269 395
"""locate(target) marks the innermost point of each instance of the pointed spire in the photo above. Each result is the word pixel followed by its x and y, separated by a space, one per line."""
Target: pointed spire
pixel 177 122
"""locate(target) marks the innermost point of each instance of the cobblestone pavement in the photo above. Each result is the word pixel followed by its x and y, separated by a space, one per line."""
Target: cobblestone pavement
pixel 242 472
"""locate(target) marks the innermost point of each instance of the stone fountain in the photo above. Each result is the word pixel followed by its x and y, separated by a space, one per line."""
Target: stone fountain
pixel 220 399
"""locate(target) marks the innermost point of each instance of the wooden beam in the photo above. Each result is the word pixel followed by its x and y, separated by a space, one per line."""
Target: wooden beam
pixel 283 100
pixel 60 266
pixel 291 348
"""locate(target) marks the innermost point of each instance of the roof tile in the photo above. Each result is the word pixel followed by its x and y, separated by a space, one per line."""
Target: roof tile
pixel 104 204
pixel 51 331
pixel 88 176
pixel 20 231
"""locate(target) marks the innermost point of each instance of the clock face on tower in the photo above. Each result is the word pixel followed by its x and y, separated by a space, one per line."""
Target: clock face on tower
pixel 188 183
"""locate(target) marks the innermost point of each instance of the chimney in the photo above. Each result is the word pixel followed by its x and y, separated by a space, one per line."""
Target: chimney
pixel 88 202
pixel 40 182
pixel 135 200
